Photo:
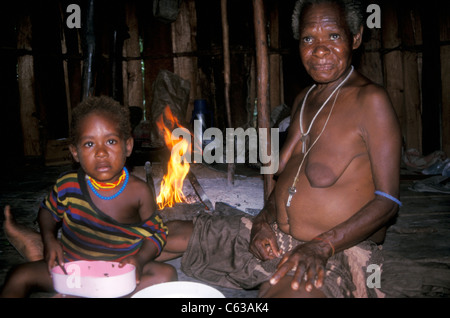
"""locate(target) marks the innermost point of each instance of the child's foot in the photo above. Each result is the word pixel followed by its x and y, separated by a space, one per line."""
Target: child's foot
pixel 26 241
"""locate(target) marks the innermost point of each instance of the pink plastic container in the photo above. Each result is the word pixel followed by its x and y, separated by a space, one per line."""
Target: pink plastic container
pixel 94 279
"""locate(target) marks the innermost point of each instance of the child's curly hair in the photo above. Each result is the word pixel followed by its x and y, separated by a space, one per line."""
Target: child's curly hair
pixel 102 105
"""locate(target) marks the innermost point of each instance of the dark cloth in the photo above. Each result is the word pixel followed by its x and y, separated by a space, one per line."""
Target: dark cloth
pixel 218 254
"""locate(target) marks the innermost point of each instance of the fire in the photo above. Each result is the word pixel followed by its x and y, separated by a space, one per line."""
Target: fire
pixel 171 190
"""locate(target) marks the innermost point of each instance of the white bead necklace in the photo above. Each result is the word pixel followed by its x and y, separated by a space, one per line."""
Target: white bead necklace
pixel 292 189
pixel 305 136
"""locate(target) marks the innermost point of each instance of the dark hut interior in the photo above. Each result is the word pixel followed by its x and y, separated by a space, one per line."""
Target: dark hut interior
pixel 53 55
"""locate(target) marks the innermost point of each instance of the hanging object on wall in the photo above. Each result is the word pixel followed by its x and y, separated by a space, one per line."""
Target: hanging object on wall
pixel 166 10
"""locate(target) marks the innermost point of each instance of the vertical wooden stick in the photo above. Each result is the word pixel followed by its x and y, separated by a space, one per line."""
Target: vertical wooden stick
pixel 226 74
pixel 89 38
pixel 275 73
pixel 184 41
pixel 262 62
pixel 134 68
pixel 65 68
pixel 226 59
pixel 25 72
pixel 445 80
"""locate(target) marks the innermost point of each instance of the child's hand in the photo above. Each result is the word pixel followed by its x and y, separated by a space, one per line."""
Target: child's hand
pixel 53 254
pixel 133 261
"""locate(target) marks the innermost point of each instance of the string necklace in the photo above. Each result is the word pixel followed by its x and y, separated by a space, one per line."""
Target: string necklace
pixel 292 189
pixel 108 186
pixel 305 136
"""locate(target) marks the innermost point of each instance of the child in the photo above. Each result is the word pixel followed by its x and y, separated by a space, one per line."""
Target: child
pixel 105 213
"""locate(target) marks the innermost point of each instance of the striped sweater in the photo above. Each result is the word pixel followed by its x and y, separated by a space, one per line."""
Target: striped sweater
pixel 90 234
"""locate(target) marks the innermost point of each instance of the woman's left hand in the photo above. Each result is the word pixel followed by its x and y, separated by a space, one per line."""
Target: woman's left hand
pixel 308 260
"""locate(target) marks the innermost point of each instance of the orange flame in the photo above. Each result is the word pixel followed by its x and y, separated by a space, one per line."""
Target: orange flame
pixel 171 190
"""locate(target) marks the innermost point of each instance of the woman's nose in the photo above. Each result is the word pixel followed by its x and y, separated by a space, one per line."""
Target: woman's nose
pixel 321 50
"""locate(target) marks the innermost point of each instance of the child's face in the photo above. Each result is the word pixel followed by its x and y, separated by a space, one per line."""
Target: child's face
pixel 101 151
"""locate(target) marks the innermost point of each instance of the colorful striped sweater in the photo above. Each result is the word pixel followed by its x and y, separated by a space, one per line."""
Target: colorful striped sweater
pixel 90 234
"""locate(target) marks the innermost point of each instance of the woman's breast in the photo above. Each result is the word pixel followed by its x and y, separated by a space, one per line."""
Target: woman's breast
pixel 326 172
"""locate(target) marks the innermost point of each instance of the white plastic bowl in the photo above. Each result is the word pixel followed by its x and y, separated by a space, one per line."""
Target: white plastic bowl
pixel 94 279
pixel 179 289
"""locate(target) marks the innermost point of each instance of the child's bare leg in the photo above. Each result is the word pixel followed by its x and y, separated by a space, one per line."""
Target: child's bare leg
pixel 177 241
pixel 156 273
pixel 26 278
pixel 26 241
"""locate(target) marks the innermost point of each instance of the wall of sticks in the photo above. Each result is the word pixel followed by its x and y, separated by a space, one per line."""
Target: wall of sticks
pixel 43 63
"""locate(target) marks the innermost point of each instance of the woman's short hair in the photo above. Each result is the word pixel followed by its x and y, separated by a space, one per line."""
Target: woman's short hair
pixel 352 9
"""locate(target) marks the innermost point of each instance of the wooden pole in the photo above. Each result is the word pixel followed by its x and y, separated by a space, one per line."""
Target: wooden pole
pixel 276 71
pixel 134 69
pixel 431 77
pixel 393 62
pixel 226 59
pixel 262 62
pixel 65 68
pixel 183 32
pixel 89 37
pixel 408 19
pixel 119 36
pixel 445 79
pixel 25 72
pixel 226 75
pixel 73 48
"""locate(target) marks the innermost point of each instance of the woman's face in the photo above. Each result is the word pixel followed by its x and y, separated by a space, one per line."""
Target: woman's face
pixel 326 44
pixel 100 150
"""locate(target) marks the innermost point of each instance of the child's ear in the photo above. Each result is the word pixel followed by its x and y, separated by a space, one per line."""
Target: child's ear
pixel 129 146
pixel 74 152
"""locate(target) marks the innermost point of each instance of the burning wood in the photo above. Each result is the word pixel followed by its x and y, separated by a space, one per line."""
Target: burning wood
pixel 199 191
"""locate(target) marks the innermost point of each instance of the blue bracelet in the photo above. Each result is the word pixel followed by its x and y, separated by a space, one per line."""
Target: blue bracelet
pixel 388 196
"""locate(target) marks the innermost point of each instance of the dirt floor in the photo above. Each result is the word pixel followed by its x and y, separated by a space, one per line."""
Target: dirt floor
pixel 416 249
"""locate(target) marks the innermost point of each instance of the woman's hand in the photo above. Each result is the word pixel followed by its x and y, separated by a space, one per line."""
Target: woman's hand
pixel 263 243
pixel 308 260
